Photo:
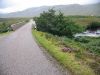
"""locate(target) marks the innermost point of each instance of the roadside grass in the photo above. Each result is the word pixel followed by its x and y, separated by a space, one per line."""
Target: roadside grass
pixel 6 33
pixel 68 60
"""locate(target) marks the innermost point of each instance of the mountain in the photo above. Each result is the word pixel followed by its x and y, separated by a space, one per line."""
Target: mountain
pixel 73 9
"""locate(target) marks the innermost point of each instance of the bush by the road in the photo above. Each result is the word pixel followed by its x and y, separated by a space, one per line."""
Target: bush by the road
pixel 56 24
pixel 4 27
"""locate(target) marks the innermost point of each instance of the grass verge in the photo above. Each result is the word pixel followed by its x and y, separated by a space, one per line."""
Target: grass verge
pixel 66 59
pixel 6 33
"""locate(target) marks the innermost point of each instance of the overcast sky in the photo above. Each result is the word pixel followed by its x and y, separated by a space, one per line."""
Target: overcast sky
pixel 7 6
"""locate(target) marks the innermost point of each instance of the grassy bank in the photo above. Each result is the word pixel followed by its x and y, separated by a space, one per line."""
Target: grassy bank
pixel 67 59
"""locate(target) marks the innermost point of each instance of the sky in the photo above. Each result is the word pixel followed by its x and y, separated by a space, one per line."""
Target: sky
pixel 8 6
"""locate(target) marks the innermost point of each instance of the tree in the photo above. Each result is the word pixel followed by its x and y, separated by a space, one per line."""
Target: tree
pixel 56 24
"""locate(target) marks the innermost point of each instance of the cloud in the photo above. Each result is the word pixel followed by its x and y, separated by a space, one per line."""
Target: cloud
pixel 5 4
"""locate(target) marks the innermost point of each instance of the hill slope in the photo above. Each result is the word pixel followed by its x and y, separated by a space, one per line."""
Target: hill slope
pixel 73 9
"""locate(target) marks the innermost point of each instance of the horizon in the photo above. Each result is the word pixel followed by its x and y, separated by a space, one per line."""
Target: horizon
pixel 10 6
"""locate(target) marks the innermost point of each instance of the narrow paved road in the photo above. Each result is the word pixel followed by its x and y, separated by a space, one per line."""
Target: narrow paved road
pixel 20 55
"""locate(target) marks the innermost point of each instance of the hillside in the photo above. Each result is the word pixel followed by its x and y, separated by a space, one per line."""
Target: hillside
pixel 73 9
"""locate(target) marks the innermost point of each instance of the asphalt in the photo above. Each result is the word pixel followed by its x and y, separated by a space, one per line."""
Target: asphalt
pixel 20 55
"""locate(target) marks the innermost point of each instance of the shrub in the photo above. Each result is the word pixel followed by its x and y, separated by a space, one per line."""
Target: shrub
pixel 3 27
pixel 93 26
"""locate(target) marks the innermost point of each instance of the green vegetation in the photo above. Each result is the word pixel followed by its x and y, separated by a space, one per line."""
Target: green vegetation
pixel 5 23
pixel 91 44
pixel 56 24
pixel 53 45
pixel 4 27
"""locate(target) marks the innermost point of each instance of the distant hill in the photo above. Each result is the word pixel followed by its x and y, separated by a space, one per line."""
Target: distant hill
pixel 73 9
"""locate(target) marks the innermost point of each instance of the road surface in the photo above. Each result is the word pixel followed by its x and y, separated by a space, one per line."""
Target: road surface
pixel 20 55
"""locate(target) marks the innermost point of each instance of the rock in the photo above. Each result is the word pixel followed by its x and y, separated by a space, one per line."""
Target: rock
pixel 66 49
